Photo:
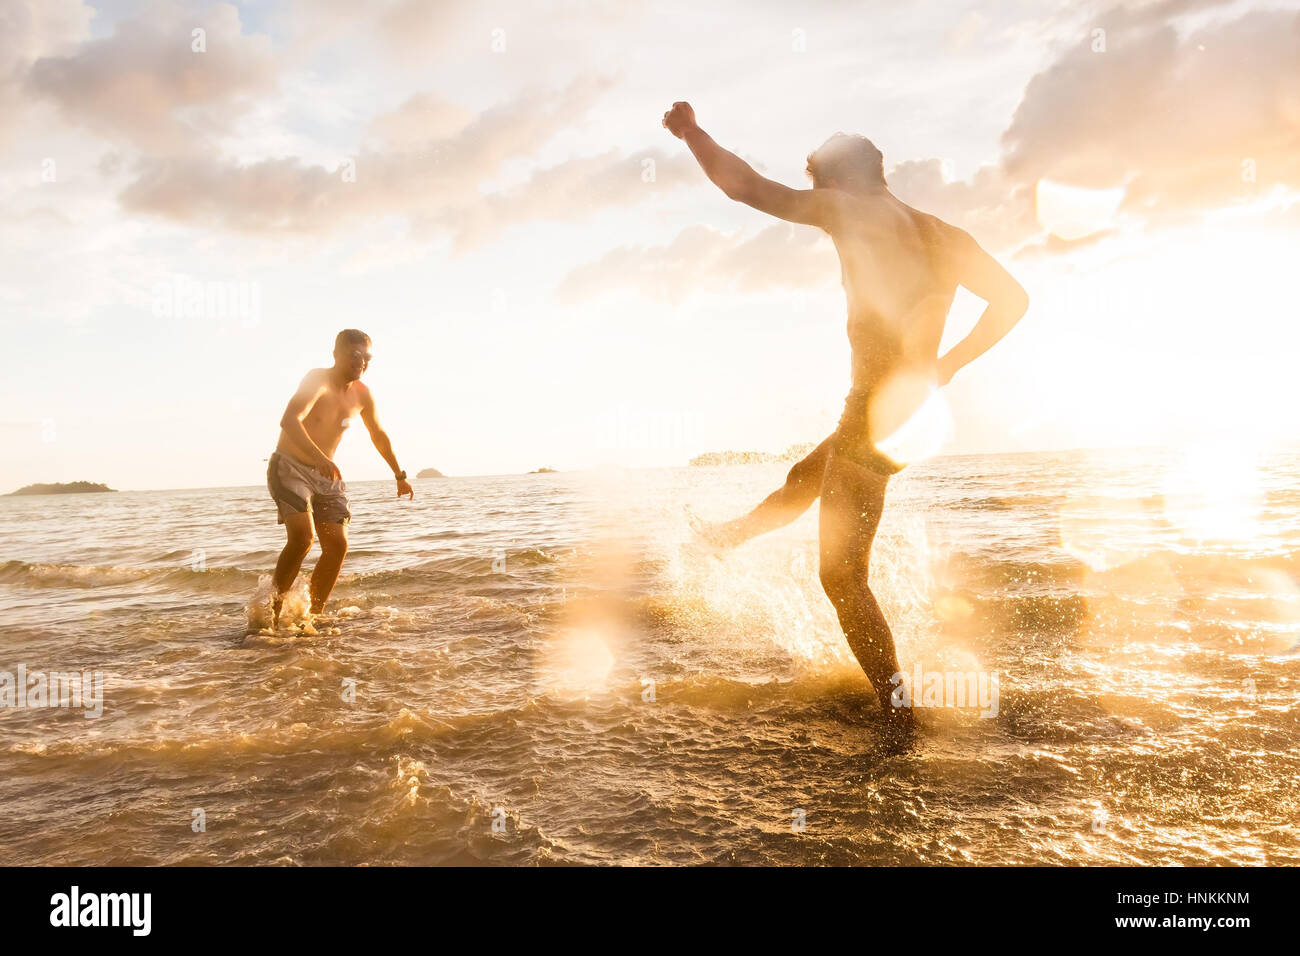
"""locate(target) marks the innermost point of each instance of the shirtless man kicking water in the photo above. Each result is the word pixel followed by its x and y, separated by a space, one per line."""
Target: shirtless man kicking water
pixel 900 269
pixel 303 479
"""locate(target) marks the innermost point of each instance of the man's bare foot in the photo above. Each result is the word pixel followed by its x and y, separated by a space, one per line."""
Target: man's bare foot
pixel 898 731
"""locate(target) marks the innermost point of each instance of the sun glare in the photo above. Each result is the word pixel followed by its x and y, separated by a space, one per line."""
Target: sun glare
pixel 1212 493
pixel 1073 212
pixel 926 421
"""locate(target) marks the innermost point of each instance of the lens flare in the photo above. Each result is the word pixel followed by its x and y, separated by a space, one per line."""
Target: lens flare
pixel 913 416
pixel 578 662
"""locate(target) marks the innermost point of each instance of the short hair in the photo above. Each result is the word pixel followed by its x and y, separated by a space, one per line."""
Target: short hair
pixel 350 337
pixel 847 160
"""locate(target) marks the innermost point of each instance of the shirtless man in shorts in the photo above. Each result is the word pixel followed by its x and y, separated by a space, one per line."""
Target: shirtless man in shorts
pixel 304 481
pixel 900 269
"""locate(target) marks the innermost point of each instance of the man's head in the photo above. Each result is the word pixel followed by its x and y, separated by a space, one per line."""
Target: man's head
pixel 351 353
pixel 847 162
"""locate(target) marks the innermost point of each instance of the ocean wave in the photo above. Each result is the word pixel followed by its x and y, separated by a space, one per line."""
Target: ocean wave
pixel 458 568
pixel 1043 614
pixel 34 575
pixel 1067 573
pixel 233 579
pixel 445 828
pixel 1008 502
pixel 981 570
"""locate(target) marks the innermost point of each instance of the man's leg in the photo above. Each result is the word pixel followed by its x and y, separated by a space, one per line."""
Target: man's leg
pixel 333 548
pixel 297 526
pixel 780 508
pixel 853 497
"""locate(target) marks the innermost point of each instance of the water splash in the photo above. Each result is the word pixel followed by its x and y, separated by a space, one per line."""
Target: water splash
pixel 295 611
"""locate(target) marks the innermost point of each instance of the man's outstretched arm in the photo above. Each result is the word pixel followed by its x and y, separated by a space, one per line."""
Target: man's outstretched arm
pixel 379 438
pixel 741 182
pixel 1007 304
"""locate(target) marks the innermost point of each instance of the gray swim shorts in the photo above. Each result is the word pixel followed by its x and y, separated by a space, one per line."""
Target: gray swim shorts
pixel 297 488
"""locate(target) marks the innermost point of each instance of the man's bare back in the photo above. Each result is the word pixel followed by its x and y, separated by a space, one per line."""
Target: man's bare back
pixel 897 279
pixel 900 267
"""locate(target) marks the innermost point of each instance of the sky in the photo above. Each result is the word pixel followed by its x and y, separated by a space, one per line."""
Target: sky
pixel 196 197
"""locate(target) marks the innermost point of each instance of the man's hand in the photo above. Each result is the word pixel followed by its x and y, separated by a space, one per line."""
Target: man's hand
pixel 680 119
pixel 329 469
pixel 1006 298
pixel 404 488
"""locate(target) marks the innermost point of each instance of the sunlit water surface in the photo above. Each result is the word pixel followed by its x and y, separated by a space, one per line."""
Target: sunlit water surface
pixel 547 669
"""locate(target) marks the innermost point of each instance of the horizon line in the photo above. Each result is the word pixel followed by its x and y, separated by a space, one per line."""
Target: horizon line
pixel 1149 446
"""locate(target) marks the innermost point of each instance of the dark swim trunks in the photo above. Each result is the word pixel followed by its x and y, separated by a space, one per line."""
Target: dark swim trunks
pixel 852 440
pixel 298 488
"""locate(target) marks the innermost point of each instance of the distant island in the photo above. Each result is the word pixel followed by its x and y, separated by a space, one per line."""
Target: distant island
pixel 543 471
pixel 430 473
pixel 793 453
pixel 62 488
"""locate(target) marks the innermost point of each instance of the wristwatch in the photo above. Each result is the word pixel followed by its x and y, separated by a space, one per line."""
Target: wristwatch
pixel 400 476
